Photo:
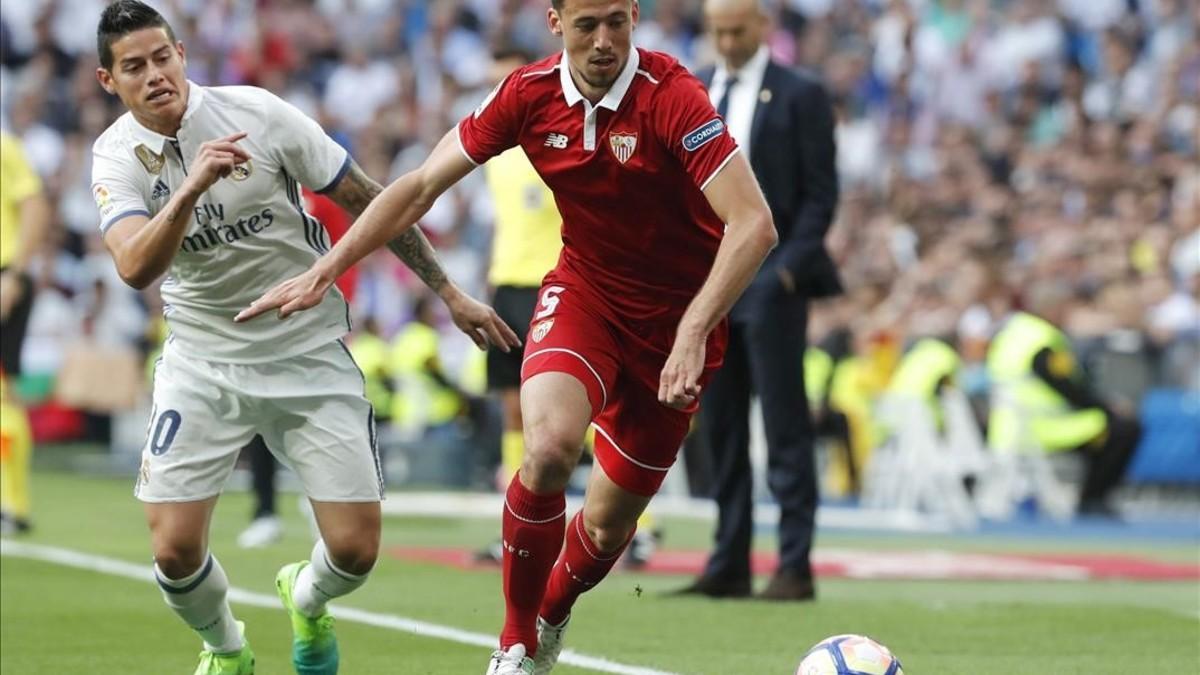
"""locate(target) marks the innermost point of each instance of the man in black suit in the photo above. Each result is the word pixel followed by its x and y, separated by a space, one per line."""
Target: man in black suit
pixel 784 122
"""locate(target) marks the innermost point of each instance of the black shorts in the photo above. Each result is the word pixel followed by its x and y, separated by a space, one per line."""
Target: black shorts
pixel 515 306
pixel 13 328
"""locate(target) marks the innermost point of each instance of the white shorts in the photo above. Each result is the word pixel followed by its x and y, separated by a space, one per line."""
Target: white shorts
pixel 310 410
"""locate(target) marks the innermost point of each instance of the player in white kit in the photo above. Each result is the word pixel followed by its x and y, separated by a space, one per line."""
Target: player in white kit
pixel 203 184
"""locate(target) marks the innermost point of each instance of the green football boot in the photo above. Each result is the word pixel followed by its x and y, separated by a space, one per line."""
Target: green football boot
pixel 314 646
pixel 240 662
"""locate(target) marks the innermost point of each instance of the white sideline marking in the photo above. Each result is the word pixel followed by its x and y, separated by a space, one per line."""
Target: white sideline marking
pixel 121 568
pixel 489 505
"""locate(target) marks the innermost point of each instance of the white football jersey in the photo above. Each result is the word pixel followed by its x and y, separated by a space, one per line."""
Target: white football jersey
pixel 249 230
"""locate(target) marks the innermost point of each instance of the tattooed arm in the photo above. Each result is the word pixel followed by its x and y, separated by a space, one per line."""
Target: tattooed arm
pixel 391 219
pixel 354 193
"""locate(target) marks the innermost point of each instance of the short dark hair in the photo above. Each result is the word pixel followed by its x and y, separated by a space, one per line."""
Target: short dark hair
pixel 557 4
pixel 122 18
pixel 505 52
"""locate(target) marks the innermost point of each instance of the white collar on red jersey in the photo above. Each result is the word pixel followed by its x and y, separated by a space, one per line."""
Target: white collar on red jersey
pixel 154 140
pixel 615 93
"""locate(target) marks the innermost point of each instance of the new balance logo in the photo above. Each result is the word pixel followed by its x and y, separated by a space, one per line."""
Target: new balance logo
pixel 556 141
pixel 160 190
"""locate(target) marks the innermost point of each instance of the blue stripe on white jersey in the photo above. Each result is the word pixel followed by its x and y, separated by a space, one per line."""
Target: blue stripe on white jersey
pixel 312 228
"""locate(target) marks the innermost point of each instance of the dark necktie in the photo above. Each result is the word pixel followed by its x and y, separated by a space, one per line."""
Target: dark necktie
pixel 723 104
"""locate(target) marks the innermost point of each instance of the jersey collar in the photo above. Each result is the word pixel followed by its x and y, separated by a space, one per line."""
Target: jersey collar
pixel 616 93
pixel 154 140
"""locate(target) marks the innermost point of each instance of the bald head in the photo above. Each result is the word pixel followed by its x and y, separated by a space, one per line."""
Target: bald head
pixel 762 6
pixel 737 28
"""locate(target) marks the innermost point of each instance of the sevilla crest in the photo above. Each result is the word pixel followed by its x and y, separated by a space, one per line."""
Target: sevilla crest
pixel 540 330
pixel 623 145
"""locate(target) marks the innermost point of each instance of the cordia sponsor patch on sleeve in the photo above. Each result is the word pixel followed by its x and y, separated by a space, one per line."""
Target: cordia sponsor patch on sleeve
pixel 696 138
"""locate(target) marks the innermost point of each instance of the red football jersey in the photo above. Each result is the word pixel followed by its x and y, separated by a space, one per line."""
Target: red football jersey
pixel 626 174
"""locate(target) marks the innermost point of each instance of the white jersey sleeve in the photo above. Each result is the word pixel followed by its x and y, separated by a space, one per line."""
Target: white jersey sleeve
pixel 115 184
pixel 303 148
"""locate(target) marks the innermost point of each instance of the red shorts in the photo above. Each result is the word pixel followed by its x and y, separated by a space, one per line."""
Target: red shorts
pixel 637 437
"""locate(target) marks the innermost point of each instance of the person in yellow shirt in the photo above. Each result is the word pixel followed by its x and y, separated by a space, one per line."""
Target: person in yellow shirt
pixel 16 446
pixel 23 218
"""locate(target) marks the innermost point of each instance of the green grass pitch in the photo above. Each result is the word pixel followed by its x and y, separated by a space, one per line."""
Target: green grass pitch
pixel 58 620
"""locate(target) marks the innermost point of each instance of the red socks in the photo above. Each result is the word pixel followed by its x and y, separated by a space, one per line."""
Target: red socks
pixel 580 568
pixel 533 536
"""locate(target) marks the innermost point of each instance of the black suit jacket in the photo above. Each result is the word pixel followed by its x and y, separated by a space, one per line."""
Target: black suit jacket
pixel 793 154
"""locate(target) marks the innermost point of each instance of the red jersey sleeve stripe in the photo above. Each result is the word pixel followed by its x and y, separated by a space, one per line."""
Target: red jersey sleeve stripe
pixel 463 148
pixel 718 169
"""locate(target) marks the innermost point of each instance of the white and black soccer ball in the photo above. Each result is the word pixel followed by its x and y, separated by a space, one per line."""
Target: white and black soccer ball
pixel 849 655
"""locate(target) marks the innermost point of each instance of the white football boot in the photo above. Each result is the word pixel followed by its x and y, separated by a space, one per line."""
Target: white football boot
pixel 511 662
pixel 262 532
pixel 550 645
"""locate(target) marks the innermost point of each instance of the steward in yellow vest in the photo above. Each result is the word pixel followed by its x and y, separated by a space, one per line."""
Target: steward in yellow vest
pixel 1041 400
pixel 929 365
pixel 370 352
pixel 425 396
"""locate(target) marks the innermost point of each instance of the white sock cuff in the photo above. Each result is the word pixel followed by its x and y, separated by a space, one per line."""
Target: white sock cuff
pixel 322 581
pixel 191 581
pixel 200 600
pixel 320 558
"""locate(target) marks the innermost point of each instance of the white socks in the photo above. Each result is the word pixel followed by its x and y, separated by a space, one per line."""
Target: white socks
pixel 199 599
pixel 321 581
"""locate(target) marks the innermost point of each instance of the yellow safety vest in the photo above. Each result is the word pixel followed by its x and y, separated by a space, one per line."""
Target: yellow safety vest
pixel 420 400
pixel 1023 405
pixel 818 370
pixel 473 379
pixel 928 362
pixel 370 352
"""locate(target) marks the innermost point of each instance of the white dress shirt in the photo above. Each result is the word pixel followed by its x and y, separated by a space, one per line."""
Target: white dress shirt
pixel 744 96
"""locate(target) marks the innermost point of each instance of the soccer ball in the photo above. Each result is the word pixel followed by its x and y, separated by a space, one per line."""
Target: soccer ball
pixel 849 655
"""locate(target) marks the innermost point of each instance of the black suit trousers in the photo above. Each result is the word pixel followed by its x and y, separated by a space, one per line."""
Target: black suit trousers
pixel 765 357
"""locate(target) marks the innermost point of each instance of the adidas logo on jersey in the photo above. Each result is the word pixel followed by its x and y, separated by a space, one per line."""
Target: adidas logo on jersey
pixel 556 141
pixel 160 190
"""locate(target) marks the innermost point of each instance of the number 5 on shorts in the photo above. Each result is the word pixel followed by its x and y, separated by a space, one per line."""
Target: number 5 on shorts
pixel 549 302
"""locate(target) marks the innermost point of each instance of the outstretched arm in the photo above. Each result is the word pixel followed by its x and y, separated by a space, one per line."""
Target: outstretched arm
pixel 355 192
pixel 386 218
pixel 749 236
pixel 395 209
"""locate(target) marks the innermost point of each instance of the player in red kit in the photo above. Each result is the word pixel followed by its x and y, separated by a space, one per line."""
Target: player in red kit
pixel 663 227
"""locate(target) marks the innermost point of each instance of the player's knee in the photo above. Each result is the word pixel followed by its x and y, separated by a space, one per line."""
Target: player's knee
pixel 355 552
pixel 550 457
pixel 609 537
pixel 547 465
pixel 179 560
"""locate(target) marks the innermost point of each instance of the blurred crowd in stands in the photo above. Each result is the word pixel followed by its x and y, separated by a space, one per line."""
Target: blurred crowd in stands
pixel 993 154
